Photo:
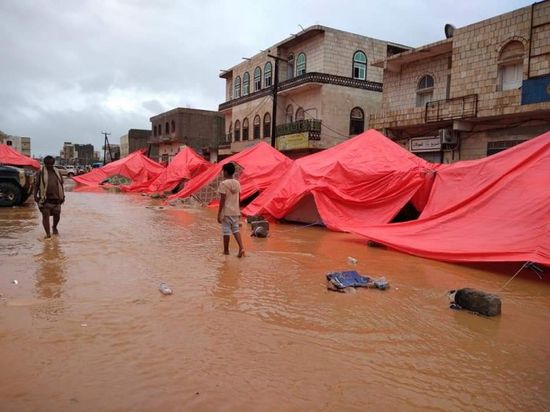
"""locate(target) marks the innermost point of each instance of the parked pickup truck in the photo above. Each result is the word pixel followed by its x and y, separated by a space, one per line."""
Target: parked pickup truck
pixel 16 185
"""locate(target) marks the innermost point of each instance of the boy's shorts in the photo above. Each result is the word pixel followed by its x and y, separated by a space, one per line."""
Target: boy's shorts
pixel 230 224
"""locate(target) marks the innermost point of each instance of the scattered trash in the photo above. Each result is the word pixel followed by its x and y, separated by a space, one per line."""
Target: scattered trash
pixel 476 301
pixel 15 282
pixel 352 260
pixel 346 281
pixel 164 289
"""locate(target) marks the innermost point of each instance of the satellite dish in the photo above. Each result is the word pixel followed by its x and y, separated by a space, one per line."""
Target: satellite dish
pixel 449 30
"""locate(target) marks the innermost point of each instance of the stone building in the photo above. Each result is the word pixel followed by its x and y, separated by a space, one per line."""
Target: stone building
pixel 485 88
pixel 134 140
pixel 67 153
pixel 19 143
pixel 84 154
pixel 199 129
pixel 327 89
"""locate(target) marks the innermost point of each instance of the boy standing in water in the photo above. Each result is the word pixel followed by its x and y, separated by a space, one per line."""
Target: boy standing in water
pixel 229 212
pixel 49 194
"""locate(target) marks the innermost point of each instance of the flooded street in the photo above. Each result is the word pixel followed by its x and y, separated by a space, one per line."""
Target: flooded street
pixel 86 328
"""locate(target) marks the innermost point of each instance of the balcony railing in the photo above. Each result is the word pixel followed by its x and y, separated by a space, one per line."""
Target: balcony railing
pixel 314 77
pixel 451 109
pixel 311 126
pixel 162 139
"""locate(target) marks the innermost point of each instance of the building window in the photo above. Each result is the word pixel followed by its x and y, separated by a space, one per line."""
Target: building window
pixel 424 90
pixel 267 74
pixel 237 130
pixel 246 83
pixel 301 64
pixel 290 66
pixel 257 79
pixel 256 127
pixel 300 115
pixel 495 147
pixel 229 137
pixel 154 130
pixel 267 125
pixel 360 65
pixel 510 66
pixel 173 126
pixel 245 128
pixel 289 113
pixel 356 121
pixel 166 128
pixel 237 93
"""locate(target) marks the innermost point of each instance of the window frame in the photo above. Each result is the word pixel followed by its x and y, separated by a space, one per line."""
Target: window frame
pixel 301 70
pixel 270 77
pixel 355 121
pixel 257 127
pixel 173 126
pixel 422 92
pixel 358 64
pixel 257 78
pixel 300 111
pixel 267 125
pixel 237 131
pixel 246 128
pixel 237 87
pixel 246 84
pixel 289 113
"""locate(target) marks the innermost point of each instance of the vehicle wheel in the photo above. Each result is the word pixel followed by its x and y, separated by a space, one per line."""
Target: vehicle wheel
pixel 10 194
pixel 70 174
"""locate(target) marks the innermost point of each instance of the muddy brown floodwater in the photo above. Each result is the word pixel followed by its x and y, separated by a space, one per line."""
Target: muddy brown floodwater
pixel 87 329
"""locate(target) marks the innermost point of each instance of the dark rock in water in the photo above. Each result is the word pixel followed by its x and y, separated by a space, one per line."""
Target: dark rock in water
pixel 251 219
pixel 477 301
pixel 260 223
pixel 259 231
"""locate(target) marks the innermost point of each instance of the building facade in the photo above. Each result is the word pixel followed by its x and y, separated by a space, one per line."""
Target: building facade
pixel 483 89
pixel 327 88
pixel 83 154
pixel 134 140
pixel 19 143
pixel 67 153
pixel 198 129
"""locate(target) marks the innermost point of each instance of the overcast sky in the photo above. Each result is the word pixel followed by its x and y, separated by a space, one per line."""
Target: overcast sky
pixel 71 69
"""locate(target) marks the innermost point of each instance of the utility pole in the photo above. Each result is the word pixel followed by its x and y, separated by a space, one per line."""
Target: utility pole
pixel 105 146
pixel 275 91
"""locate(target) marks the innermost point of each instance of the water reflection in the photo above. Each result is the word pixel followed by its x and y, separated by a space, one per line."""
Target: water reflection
pixel 50 277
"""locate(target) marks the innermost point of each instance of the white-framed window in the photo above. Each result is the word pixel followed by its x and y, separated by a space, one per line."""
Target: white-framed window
pixel 301 64
pixel 246 83
pixel 237 92
pixel 360 65
pixel 510 66
pixel 424 90
pixel 289 113
pixel 257 79
pixel 267 74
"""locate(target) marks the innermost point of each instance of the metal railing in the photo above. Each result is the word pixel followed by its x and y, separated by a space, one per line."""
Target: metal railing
pixel 463 107
pixel 313 126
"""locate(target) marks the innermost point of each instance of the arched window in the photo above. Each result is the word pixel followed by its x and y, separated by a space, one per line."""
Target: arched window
pixel 267 74
pixel 290 67
pixel 173 126
pixel 510 66
pixel 154 130
pixel 257 79
pixel 356 121
pixel 237 131
pixel 360 65
pixel 289 113
pixel 301 64
pixel 246 83
pixel 166 128
pixel 245 128
pixel 300 115
pixel 229 137
pixel 424 90
pixel 267 125
pixel 256 127
pixel 237 92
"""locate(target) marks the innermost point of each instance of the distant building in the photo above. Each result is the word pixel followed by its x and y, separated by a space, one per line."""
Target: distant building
pixel 327 89
pixel 134 140
pixel 199 129
pixel 112 153
pixel 19 143
pixel 483 89
pixel 67 153
pixel 84 154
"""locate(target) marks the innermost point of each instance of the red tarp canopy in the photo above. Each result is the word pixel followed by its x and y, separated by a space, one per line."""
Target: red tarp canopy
pixel 9 156
pixel 136 167
pixel 186 164
pixel 495 209
pixel 368 178
pixel 262 165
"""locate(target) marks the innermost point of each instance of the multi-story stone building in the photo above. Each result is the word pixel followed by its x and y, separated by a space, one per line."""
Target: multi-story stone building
pixel 327 88
pixel 83 154
pixel 483 89
pixel 199 129
pixel 134 140
pixel 67 153
pixel 19 143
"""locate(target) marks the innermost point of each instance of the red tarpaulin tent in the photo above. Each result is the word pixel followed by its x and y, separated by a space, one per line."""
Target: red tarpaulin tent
pixel 186 164
pixel 495 209
pixel 9 156
pixel 136 166
pixel 368 178
pixel 261 166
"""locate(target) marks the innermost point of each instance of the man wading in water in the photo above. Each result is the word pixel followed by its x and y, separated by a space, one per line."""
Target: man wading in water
pixel 229 212
pixel 49 194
